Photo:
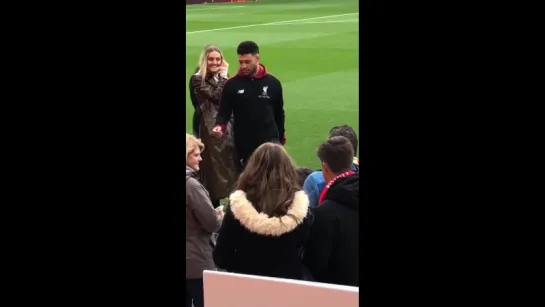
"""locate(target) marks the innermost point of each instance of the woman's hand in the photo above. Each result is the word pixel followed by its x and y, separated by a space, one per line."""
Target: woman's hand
pixel 224 68
pixel 220 211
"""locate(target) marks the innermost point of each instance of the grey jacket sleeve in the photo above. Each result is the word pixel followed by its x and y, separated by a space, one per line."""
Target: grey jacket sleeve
pixel 201 206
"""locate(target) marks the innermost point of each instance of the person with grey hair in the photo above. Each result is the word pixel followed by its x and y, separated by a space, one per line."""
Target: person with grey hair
pixel 201 222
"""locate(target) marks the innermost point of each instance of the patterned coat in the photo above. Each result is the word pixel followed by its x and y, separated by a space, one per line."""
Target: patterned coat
pixel 220 166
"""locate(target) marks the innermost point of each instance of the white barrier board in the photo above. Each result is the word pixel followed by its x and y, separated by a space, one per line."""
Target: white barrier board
pixel 223 289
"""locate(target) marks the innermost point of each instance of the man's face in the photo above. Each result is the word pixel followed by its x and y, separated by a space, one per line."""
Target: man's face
pixel 248 63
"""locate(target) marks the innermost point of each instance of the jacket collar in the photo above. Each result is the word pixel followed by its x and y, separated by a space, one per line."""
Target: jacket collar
pixel 260 223
pixel 261 72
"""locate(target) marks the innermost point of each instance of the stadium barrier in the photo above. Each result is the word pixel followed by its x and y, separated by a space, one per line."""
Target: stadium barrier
pixel 222 289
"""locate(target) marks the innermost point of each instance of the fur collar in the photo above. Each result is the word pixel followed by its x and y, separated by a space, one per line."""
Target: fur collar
pixel 260 223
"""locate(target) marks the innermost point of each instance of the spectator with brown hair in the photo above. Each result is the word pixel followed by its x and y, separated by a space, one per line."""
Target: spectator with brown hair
pixel 303 173
pixel 315 183
pixel 268 220
pixel 332 252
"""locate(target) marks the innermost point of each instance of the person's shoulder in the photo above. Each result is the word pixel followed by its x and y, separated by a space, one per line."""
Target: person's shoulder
pixel 232 81
pixel 272 78
pixel 195 79
pixel 324 213
pixel 193 183
pixel 326 207
pixel 307 222
pixel 315 177
pixel 316 174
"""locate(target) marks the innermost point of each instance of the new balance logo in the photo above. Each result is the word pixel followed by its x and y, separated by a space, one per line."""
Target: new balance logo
pixel 241 91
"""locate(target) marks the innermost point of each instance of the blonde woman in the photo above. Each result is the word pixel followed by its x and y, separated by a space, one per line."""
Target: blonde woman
pixel 220 170
pixel 201 221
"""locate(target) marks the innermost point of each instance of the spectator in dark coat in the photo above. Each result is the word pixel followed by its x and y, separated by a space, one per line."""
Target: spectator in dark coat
pixel 332 252
pixel 268 221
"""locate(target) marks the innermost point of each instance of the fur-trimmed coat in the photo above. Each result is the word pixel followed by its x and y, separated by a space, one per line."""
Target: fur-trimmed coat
pixel 253 243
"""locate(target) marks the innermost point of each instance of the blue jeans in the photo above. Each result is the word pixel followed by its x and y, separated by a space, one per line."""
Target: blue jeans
pixel 194 292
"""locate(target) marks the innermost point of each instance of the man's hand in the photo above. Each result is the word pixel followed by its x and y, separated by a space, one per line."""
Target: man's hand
pixel 217 131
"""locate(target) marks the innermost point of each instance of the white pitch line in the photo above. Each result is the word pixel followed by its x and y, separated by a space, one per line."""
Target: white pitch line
pixel 212 8
pixel 267 24
pixel 315 22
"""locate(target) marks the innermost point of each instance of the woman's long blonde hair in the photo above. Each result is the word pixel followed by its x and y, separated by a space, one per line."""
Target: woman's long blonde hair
pixel 203 60
pixel 192 143
pixel 270 180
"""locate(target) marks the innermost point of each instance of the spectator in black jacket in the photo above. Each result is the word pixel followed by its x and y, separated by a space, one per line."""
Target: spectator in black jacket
pixel 255 99
pixel 268 221
pixel 332 252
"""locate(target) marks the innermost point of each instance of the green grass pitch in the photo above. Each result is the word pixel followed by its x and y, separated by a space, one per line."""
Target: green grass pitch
pixel 310 46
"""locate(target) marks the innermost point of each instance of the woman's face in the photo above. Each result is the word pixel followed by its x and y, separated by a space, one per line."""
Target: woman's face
pixel 193 159
pixel 214 61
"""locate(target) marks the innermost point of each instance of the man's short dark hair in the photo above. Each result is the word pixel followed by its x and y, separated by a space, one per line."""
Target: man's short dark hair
pixel 338 153
pixel 348 133
pixel 303 173
pixel 248 47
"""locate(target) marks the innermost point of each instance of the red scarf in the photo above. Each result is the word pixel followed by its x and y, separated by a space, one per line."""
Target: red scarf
pixel 329 184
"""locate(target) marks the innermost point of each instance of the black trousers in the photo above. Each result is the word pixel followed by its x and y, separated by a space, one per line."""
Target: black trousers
pixel 194 294
pixel 244 154
pixel 245 150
